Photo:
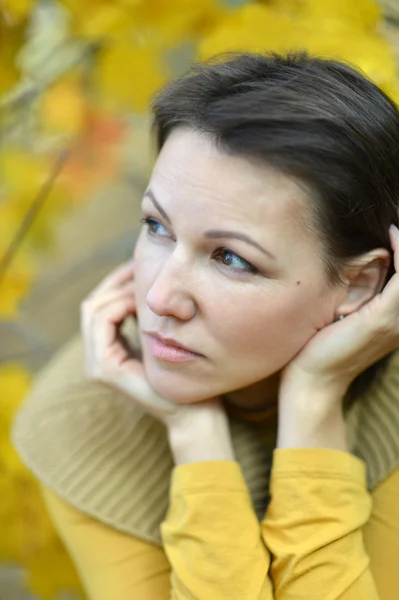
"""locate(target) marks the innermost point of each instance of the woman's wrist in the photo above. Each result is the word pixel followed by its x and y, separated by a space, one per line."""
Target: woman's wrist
pixel 207 438
pixel 312 419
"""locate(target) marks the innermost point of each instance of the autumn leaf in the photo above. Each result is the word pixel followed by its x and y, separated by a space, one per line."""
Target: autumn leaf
pixel 94 19
pixel 317 27
pixel 359 15
pixel 127 74
pixel 19 194
pixel 28 535
pixel 11 38
pixel 94 158
pixel 169 22
pixel 16 10
pixel 15 283
pixel 14 162
pixel 179 20
pixel 63 107
pixel 15 381
pixel 369 53
pixel 253 28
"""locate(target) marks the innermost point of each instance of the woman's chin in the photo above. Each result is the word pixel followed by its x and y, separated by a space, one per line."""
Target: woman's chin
pixel 175 388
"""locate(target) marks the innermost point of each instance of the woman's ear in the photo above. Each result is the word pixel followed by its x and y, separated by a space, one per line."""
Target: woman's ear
pixel 365 278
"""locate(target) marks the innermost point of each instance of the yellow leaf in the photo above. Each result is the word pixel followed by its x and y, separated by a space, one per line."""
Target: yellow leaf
pixel 14 383
pixel 23 176
pixel 259 28
pixel 170 22
pixel 97 19
pixel 178 20
pixel 10 219
pixel 20 171
pixel 361 15
pixel 392 90
pixel 17 10
pixel 254 28
pixel 127 74
pixel 29 538
pixel 63 107
pixel 14 286
pixel 94 157
pixel 39 234
pixel 11 38
pixel 369 53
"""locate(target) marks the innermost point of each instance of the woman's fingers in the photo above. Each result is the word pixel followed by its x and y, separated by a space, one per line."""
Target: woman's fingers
pixel 102 315
pixel 109 318
pixel 108 356
pixel 116 278
pixel 100 300
pixel 387 302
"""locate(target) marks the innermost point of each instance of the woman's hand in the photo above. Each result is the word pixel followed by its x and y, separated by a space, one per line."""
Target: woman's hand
pixel 345 348
pixel 197 431
pixel 314 383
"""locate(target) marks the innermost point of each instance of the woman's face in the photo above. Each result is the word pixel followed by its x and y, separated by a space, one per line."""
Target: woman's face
pixel 226 267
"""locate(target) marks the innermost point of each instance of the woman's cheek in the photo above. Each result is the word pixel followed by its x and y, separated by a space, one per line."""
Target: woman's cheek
pixel 272 326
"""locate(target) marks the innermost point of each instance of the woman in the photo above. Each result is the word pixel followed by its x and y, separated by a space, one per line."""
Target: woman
pixel 263 283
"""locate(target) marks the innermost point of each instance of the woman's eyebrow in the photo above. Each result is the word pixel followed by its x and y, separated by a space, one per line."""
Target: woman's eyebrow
pixel 213 233
pixel 150 194
pixel 218 233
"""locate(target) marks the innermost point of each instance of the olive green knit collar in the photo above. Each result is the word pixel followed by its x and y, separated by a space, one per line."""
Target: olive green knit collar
pixel 102 453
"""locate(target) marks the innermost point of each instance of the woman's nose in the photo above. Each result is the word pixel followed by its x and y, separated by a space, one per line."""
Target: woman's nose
pixel 169 294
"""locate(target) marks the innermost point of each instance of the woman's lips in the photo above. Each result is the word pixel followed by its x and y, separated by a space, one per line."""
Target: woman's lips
pixel 165 352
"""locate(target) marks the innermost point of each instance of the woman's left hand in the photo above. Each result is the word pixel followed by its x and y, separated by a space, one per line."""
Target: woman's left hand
pixel 318 377
pixel 345 348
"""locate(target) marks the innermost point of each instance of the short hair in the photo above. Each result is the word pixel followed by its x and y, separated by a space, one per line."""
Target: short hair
pixel 320 121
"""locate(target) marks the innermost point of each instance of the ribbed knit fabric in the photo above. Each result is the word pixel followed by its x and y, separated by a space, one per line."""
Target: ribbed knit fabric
pixel 102 453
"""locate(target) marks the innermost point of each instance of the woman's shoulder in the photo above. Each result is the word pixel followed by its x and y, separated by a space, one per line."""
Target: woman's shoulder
pixel 93 446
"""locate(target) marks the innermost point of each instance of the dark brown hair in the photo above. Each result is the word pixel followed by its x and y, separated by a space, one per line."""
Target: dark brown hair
pixel 320 121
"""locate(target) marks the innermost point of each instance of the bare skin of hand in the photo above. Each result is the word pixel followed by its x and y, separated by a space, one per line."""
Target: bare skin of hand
pixel 338 353
pixel 196 431
pixel 313 385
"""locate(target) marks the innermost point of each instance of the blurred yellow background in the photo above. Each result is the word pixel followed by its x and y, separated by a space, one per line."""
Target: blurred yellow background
pixel 75 81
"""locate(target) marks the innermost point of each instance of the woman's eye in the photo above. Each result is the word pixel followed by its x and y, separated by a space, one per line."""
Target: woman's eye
pixel 222 255
pixel 154 227
pixel 230 259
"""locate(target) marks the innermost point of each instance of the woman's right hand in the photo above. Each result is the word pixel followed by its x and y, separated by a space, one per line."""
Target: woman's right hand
pixel 196 431
pixel 108 357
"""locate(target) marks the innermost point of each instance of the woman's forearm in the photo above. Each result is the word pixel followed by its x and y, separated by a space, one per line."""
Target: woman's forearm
pixel 313 526
pixel 212 537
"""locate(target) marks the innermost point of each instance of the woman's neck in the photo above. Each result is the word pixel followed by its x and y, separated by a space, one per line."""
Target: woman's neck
pixel 257 397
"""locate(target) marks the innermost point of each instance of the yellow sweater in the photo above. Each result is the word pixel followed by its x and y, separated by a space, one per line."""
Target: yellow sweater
pixel 323 537
pixel 109 469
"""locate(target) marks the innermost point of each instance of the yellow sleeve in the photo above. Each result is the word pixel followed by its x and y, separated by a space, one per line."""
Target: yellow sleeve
pixel 111 565
pixel 212 536
pixel 314 526
pixel 381 537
